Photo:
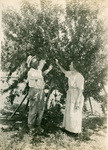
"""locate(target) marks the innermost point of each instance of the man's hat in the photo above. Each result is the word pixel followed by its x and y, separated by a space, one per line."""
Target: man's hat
pixel 29 59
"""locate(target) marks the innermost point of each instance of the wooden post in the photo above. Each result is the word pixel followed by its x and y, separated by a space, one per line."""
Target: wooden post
pixel 18 107
pixel 104 89
pixel 104 104
pixel 27 104
pixel 91 105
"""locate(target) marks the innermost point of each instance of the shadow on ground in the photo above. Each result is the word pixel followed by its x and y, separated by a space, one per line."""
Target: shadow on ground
pixel 51 123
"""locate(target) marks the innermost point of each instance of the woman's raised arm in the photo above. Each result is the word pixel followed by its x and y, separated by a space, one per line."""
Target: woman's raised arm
pixel 61 68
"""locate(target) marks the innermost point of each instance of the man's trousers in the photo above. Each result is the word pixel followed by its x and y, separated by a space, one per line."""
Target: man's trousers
pixel 36 107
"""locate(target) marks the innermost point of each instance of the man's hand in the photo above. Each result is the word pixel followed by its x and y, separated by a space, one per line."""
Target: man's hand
pixel 56 61
pixel 43 61
pixel 50 67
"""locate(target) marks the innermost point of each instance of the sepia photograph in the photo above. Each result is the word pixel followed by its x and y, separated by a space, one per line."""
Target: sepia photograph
pixel 53 74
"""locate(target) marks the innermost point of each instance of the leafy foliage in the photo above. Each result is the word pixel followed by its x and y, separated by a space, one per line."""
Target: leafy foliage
pixel 79 38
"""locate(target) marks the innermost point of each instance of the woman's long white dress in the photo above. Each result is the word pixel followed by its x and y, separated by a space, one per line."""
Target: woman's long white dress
pixel 73 117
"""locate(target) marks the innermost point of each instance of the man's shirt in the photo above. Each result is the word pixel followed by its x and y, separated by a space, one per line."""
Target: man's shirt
pixel 35 79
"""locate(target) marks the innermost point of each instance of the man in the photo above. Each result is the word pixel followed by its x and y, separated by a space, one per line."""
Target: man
pixel 36 92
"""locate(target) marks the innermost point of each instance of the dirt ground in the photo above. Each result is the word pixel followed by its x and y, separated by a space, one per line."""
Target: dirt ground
pixel 59 141
pixel 94 137
pixel 14 133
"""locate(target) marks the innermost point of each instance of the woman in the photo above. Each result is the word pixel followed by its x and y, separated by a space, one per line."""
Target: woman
pixel 36 92
pixel 72 121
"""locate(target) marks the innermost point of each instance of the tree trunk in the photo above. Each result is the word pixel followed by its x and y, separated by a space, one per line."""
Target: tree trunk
pixel 49 93
pixel 91 105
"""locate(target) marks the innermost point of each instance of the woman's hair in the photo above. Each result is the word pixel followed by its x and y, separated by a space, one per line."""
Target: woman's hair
pixel 36 63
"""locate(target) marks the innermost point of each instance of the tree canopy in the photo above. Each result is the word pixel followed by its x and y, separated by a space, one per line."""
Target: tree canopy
pixel 79 37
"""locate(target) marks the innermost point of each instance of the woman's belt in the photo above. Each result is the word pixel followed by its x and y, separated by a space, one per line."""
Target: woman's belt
pixel 72 87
